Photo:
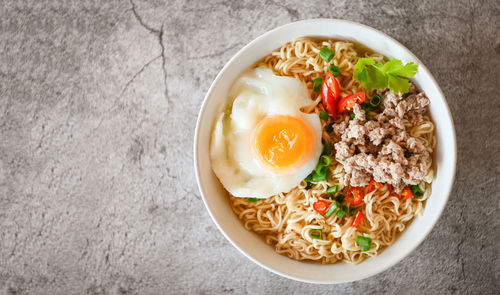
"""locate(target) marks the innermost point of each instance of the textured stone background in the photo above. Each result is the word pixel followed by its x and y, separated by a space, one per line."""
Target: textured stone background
pixel 98 102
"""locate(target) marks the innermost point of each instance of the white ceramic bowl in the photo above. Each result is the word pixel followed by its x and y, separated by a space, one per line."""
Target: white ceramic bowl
pixel 215 197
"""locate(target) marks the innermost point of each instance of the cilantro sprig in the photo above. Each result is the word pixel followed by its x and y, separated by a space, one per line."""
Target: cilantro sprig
pixel 390 75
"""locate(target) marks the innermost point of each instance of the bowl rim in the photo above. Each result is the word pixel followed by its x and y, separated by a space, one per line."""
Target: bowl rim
pixel 453 148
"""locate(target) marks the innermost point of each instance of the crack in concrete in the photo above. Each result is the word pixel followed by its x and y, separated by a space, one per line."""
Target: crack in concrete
pixel 215 54
pixel 164 66
pixel 139 19
pixel 159 34
pixel 459 248
pixel 294 13
pixel 136 75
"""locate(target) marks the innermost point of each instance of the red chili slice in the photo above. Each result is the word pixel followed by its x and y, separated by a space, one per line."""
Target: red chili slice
pixel 355 196
pixel 406 194
pixel 357 219
pixel 330 92
pixel 374 186
pixel 320 206
pixel 347 103
pixel 391 192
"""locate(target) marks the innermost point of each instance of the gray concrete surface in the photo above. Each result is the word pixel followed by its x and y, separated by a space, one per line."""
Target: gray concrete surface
pixel 98 102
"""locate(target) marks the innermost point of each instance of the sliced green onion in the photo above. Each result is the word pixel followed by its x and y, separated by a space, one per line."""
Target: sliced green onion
pixel 334 206
pixel 324 162
pixel 324 116
pixel 334 70
pixel 340 198
pixel 364 243
pixel 327 149
pixel 341 213
pixel 322 174
pixel 329 128
pixel 366 107
pixel 375 100
pixel 327 160
pixel 326 54
pixel 352 115
pixel 317 84
pixel 309 185
pixel 416 191
pixel 353 211
pixel 253 200
pixel 333 189
pixel 315 234
pixel 319 168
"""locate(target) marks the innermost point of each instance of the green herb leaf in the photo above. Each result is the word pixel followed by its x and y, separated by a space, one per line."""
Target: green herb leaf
pixel 324 116
pixel 364 243
pixel 352 115
pixel 396 67
pixel 390 75
pixel 309 185
pixel 360 68
pixel 398 85
pixel 353 211
pixel 253 200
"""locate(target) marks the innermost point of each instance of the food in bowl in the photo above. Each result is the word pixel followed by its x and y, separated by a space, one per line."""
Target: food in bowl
pixel 325 149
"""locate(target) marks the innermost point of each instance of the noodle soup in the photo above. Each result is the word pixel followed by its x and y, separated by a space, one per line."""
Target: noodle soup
pixel 374 171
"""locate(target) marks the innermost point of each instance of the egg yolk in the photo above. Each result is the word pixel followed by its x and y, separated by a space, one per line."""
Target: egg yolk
pixel 282 142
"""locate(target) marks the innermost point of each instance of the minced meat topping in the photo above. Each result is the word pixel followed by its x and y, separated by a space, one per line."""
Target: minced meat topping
pixel 380 148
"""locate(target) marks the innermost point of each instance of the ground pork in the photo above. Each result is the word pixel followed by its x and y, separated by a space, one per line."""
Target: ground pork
pixel 380 149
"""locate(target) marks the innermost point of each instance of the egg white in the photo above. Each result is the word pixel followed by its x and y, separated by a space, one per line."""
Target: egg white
pixel 258 93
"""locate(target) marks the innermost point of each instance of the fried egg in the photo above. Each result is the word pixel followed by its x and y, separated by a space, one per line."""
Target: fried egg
pixel 262 143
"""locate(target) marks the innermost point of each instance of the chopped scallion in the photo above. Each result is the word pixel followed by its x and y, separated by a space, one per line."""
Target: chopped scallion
pixel 375 100
pixel 329 128
pixel 334 70
pixel 352 115
pixel 364 243
pixel 324 116
pixel 340 198
pixel 353 211
pixel 315 234
pixel 253 200
pixel 321 172
pixel 326 54
pixel 327 149
pixel 326 159
pixel 416 191
pixel 341 213
pixel 334 206
pixel 317 84
pixel 366 107
pixel 318 175
pixel 333 189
